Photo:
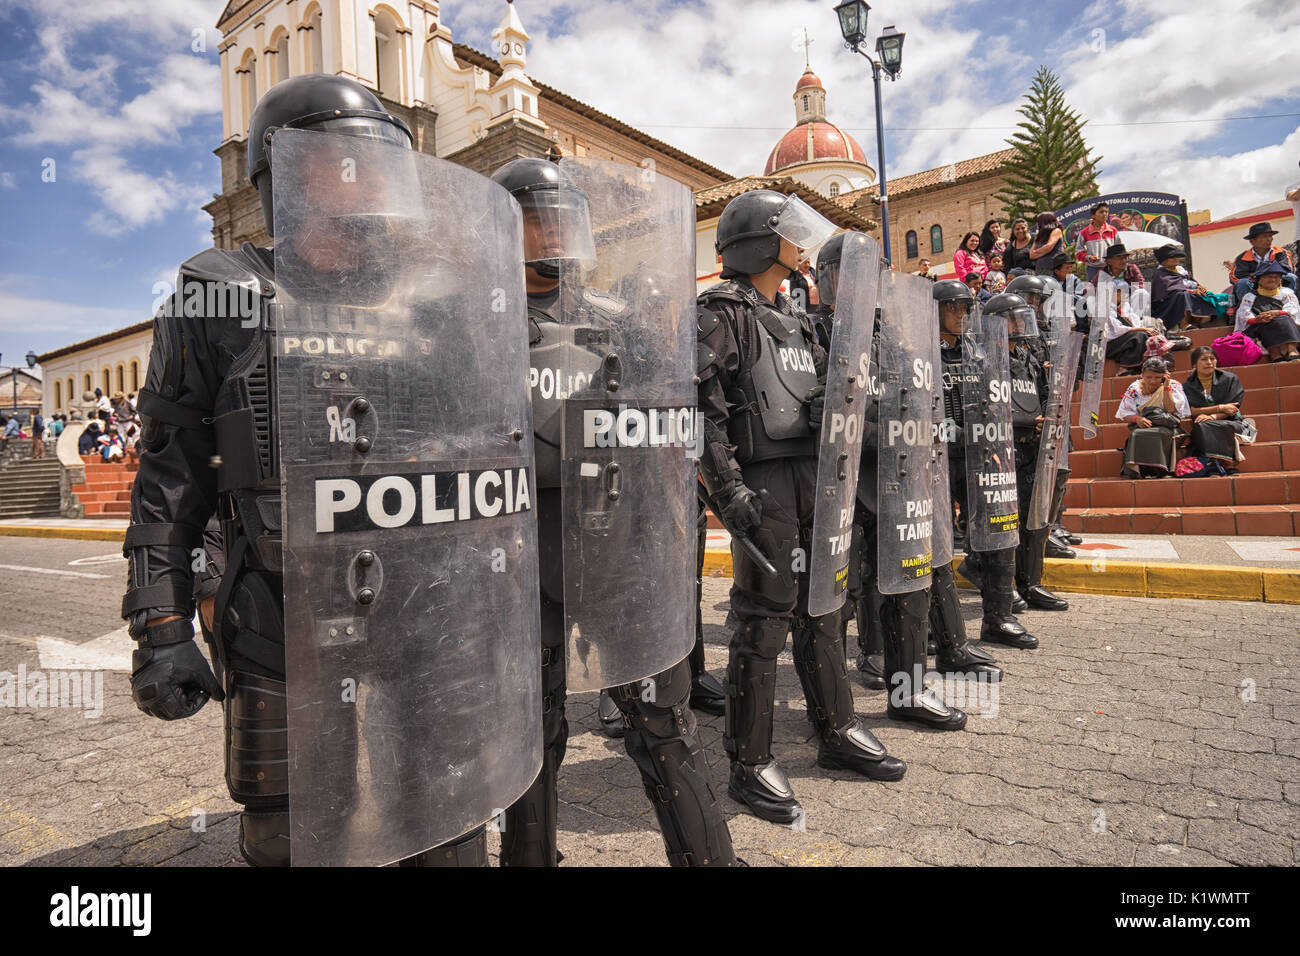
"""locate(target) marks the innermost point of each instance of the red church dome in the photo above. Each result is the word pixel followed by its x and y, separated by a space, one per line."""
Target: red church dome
pixel 813 142
pixel 808 79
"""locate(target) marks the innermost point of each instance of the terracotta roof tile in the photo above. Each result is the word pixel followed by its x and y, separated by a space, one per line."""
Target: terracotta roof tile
pixel 939 176
pixel 711 200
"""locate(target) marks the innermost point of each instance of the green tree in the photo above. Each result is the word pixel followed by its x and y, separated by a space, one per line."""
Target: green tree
pixel 1051 167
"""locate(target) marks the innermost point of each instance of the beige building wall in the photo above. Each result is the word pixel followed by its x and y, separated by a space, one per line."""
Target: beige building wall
pixel 1222 240
pixel 122 361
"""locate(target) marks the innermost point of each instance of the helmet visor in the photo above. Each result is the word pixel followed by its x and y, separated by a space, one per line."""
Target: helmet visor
pixel 954 315
pixel 802 225
pixel 1022 323
pixel 557 227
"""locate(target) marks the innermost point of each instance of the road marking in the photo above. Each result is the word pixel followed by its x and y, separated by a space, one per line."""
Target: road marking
pixel 97 559
pixel 70 574
pixel 110 652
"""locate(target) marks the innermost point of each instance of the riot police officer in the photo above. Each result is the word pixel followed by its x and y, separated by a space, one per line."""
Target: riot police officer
pixel 973 371
pixel 1029 399
pixel 658 729
pixel 1038 293
pixel 760 367
pixel 208 447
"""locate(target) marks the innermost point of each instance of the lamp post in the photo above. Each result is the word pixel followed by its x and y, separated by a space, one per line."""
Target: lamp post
pixel 889 49
pixel 31 363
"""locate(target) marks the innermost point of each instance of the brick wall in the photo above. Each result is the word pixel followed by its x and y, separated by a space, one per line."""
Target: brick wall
pixel 958 208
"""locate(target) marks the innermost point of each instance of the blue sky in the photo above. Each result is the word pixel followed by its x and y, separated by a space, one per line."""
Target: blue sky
pixel 116 94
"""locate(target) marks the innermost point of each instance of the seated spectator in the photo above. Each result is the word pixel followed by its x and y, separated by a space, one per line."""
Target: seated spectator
pixel 1126 340
pixel 1247 266
pixel 103 407
pixel 1177 299
pixel 1016 254
pixel 10 424
pixel 968 258
pixel 1269 315
pixel 1119 267
pixel 1048 241
pixel 89 439
pixel 977 289
pixel 991 240
pixel 1153 406
pixel 1094 239
pixel 57 425
pixel 110 446
pixel 996 280
pixel 1215 395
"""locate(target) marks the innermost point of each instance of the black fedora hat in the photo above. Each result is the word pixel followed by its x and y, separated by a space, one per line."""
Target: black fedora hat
pixel 1116 250
pixel 1259 229
pixel 1169 252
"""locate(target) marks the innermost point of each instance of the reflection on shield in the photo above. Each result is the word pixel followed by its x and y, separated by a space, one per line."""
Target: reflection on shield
pixel 992 504
pixel 410 542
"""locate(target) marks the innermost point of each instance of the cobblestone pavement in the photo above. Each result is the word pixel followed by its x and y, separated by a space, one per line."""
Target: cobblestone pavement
pixel 1130 737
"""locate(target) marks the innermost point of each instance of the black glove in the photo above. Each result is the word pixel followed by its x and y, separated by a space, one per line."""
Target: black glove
pixel 816 402
pixel 173 681
pixel 742 510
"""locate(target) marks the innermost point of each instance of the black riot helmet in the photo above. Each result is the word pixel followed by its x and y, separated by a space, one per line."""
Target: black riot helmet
pixel 951 295
pixel 754 223
pixel 828 269
pixel 1033 289
pixel 1022 322
pixel 557 221
pixel 332 104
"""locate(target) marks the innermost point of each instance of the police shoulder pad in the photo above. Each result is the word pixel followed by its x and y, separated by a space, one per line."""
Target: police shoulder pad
pixel 226 266
pixel 727 291
pixel 706 320
pixel 607 305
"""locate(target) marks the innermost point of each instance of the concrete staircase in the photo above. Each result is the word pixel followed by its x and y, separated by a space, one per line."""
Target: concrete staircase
pixel 106 491
pixel 29 488
pixel 1263 500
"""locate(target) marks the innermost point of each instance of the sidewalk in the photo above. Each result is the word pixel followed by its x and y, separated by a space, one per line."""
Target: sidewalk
pixel 1211 567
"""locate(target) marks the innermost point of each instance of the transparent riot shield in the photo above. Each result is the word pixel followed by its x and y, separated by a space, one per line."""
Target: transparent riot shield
pixel 840 443
pixel 405 455
pixel 992 505
pixel 630 432
pixel 1054 443
pixel 944 433
pixel 1093 374
pixel 906 429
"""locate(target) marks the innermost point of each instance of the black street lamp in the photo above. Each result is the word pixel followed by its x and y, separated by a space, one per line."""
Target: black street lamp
pixel 889 49
pixel 31 363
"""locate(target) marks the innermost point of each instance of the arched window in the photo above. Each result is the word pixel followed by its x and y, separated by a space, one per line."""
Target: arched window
pixel 58 395
pixel 835 189
pixel 89 382
pixel 282 58
pixel 72 390
pixel 247 74
pixel 107 376
pixel 936 239
pixel 388 56
pixel 805 102
pixel 314 47
pixel 135 375
pixel 910 239
pixel 121 377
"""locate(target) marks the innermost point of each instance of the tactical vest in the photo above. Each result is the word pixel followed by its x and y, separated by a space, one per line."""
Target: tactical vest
pixel 1026 399
pixel 565 361
pixel 770 419
pixel 950 357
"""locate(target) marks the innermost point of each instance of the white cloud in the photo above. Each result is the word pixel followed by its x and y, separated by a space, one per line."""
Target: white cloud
pixel 48 322
pixel 715 78
pixel 7 180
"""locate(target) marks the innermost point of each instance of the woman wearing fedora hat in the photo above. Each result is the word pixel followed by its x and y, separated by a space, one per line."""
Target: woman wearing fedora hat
pixel 1176 298
pixel 1247 266
pixel 1269 315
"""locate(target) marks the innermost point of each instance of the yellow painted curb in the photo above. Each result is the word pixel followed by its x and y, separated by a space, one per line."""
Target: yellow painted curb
pixel 1281 587
pixel 1097 576
pixel 78 534
pixel 1136 579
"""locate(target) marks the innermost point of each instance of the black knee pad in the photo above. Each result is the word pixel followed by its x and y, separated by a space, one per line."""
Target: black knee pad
pixel 777 539
pixel 264 836
pixel 257 740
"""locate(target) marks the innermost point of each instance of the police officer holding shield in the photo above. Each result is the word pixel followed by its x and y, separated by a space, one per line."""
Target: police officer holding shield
pixel 977 395
pixel 308 591
pixel 585 346
pixel 760 369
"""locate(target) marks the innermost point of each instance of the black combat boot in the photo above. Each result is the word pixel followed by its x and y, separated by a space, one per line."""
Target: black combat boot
pixel 905 619
pixel 956 656
pixel 999 625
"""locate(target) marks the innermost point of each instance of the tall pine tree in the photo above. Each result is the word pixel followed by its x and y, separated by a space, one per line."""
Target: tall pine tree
pixel 1051 167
